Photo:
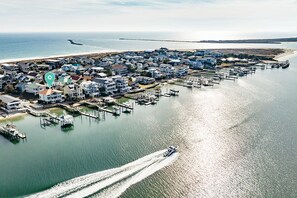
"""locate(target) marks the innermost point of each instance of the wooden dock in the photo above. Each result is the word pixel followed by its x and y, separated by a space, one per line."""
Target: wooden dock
pixel 125 106
pixel 12 133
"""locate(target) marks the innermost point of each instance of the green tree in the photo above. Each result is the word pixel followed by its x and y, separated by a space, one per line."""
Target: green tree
pixel 9 88
pixel 108 72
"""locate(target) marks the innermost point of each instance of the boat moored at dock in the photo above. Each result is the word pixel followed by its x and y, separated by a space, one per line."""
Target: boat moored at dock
pixel 10 131
pixel 66 121
pixel 285 64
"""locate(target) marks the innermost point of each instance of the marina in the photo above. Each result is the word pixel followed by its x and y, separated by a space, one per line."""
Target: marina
pixel 220 119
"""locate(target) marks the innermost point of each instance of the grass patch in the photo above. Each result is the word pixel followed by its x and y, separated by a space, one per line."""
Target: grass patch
pixel 57 111
pixel 122 100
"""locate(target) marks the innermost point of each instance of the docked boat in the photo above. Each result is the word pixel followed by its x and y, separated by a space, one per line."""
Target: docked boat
pixel 285 64
pixel 67 121
pixel 189 84
pixel 126 110
pixel 116 111
pixel 11 132
pixel 173 92
pixel 170 151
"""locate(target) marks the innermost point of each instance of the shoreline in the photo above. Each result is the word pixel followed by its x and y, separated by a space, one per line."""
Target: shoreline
pixel 14 60
pixel 104 53
pixel 276 53
pixel 13 117
pixel 287 54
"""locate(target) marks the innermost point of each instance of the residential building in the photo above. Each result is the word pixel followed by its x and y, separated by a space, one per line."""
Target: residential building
pixel 50 96
pixel 121 84
pixel 10 104
pixel 120 69
pixel 34 88
pixel 10 67
pixel 167 70
pixel 154 73
pixel 107 84
pixel 1 81
pixel 73 91
pixel 90 88
pixel 181 70
pixel 145 80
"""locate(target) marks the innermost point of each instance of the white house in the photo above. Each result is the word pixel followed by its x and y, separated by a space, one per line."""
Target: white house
pixel 10 104
pixel 181 70
pixel 108 84
pixel 167 69
pixel 154 73
pixel 90 88
pixel 1 81
pixel 34 88
pixel 50 96
pixel 121 84
pixel 73 91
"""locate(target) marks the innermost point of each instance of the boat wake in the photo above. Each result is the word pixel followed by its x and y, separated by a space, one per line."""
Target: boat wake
pixel 112 182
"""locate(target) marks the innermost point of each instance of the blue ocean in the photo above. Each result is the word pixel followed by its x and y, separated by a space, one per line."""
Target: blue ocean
pixel 32 45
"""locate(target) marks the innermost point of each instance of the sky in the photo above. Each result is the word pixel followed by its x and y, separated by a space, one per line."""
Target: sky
pixel 148 15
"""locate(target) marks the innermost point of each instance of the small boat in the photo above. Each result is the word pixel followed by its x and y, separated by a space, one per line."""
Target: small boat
pixel 167 95
pixel 127 110
pixel 116 111
pixel 170 151
pixel 66 121
pixel 189 84
pixel 285 64
pixel 173 92
pixel 153 102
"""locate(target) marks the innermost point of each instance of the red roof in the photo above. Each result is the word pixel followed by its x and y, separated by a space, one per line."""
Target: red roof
pixel 118 67
pixel 75 77
pixel 47 92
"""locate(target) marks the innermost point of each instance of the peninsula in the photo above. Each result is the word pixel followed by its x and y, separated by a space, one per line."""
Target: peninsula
pixel 240 41
pixel 106 81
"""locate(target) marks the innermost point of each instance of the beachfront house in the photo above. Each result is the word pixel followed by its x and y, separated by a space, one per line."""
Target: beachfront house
pixel 200 53
pixel 34 88
pixel 50 96
pixel 10 104
pixel 54 63
pixel 107 84
pixel 2 77
pixel 10 67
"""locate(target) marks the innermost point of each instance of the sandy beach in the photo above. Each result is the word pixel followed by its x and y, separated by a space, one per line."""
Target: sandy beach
pixel 287 54
pixel 13 117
